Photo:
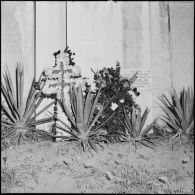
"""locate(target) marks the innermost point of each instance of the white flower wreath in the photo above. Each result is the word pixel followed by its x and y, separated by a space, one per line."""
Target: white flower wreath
pixel 61 78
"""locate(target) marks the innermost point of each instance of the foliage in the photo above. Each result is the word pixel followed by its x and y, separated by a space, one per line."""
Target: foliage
pixel 160 132
pixel 19 115
pixel 114 85
pixel 179 112
pixel 83 120
pixel 134 127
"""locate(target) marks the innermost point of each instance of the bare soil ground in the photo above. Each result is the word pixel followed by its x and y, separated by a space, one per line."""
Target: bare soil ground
pixel 59 167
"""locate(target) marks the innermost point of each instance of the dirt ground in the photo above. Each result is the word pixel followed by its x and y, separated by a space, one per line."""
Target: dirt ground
pixel 59 167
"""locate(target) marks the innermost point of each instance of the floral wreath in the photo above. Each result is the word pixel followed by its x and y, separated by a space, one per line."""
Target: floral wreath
pixel 60 78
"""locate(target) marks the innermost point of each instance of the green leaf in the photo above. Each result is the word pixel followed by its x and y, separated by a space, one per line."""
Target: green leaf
pixel 144 118
pixel 45 108
pixel 133 78
pixel 80 112
pixel 84 144
pixel 66 111
pixel 133 119
pixel 126 126
pixel 87 109
pixel 148 128
pixel 98 127
pixel 8 101
pixel 130 129
pixel 92 144
pixel 138 123
pixel 10 92
pixel 93 108
pixel 19 138
pixel 71 133
pixel 95 119
pixel 73 102
pixel 178 105
pixel 31 94
pixel 8 113
pixel 41 121
pixel 8 134
pixel 147 145
pixel 58 119
pixel 127 119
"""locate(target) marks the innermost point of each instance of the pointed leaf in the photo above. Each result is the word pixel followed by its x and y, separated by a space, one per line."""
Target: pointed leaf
pixel 127 119
pixel 93 107
pixel 80 118
pixel 144 118
pixel 92 144
pixel 66 111
pixel 98 127
pixel 95 119
pixel 87 109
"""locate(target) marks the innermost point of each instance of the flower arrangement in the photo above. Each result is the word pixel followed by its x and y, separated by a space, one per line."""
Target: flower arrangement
pixel 120 89
pixel 62 77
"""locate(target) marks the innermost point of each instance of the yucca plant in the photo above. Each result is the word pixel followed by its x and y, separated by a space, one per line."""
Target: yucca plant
pixel 84 129
pixel 19 118
pixel 134 127
pixel 179 112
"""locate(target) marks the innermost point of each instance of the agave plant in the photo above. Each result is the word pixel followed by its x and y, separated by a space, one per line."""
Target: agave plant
pixel 134 127
pixel 19 118
pixel 85 129
pixel 179 112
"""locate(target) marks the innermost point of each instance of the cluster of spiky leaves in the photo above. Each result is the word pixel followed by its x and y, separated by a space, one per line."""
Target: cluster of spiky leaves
pixel 134 124
pixel 83 129
pixel 179 112
pixel 19 114
pixel 114 85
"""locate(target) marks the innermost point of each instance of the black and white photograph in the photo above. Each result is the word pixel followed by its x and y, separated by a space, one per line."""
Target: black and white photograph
pixel 97 97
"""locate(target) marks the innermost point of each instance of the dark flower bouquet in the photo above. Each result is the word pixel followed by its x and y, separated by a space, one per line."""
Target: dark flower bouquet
pixel 114 86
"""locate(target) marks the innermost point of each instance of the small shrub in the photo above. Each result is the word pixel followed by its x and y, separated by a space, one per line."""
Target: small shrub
pixel 19 115
pixel 83 130
pixel 134 127
pixel 179 113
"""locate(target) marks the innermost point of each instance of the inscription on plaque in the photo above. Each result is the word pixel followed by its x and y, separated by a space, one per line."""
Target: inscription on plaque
pixel 144 78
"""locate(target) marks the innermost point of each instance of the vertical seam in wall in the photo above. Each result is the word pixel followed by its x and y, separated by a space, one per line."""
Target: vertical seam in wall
pixel 66 21
pixel 35 45
pixel 151 68
pixel 150 35
pixel 170 43
pixel 123 38
pixel 35 39
pixel 122 52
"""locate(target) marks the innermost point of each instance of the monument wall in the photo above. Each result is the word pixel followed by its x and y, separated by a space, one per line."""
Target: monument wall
pixel 149 37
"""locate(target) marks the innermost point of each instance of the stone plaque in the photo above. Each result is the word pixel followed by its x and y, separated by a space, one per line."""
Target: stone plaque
pixel 144 77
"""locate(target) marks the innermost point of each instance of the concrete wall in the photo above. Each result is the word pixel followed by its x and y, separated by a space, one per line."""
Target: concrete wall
pixel 160 61
pixel 100 33
pixel 95 34
pixel 50 37
pixel 17 38
pixel 146 44
pixel 182 43
pixel 50 32
pixel 137 48
pixel 172 54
